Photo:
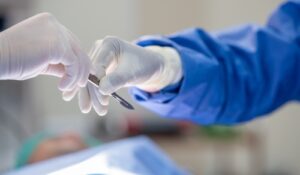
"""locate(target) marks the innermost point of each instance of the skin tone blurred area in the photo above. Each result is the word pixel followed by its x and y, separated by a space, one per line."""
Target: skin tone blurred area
pixel 56 146
pixel 55 125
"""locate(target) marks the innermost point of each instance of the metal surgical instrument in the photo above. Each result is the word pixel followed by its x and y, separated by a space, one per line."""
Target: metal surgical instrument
pixel 95 81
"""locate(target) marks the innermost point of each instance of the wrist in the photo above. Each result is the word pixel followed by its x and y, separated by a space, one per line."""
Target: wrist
pixel 170 74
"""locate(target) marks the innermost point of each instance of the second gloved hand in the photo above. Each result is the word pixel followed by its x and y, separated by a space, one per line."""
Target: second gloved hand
pixel 119 64
pixel 41 45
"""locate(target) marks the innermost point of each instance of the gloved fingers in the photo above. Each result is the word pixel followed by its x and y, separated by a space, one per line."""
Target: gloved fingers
pixel 113 82
pixel 85 66
pixel 70 77
pixel 103 99
pixel 75 73
pixel 84 100
pixel 96 99
pixel 99 71
pixel 69 95
pixel 95 48
pixel 84 61
pixel 103 56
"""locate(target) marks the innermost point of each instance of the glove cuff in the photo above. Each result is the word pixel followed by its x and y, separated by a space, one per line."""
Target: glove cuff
pixel 171 72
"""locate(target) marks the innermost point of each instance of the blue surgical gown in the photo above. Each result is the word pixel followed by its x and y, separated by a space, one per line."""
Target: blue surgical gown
pixel 234 75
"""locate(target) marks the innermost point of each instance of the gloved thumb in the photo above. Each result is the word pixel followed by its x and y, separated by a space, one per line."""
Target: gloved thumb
pixel 112 82
pixel 56 70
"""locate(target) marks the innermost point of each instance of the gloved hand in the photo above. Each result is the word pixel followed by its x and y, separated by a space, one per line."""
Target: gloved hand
pixel 41 45
pixel 119 64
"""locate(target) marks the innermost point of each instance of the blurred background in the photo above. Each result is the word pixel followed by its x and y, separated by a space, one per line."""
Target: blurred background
pixel 269 145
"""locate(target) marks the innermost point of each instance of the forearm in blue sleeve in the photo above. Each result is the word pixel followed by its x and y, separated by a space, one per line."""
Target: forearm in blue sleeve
pixel 231 76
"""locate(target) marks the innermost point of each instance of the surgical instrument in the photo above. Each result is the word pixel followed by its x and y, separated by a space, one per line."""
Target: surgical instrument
pixel 95 81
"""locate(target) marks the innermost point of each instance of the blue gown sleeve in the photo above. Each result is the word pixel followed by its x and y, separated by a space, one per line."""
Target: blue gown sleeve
pixel 234 75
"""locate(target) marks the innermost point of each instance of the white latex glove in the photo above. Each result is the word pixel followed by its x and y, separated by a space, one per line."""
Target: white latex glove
pixel 41 45
pixel 119 64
